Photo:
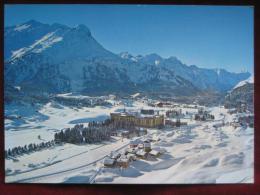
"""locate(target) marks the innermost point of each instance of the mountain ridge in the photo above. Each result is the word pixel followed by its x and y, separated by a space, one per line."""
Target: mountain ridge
pixel 64 59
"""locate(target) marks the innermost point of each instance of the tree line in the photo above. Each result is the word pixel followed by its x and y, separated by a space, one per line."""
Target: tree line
pixel 94 132
pixel 20 150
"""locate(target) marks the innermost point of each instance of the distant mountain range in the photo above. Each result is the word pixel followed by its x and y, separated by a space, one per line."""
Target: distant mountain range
pixel 57 58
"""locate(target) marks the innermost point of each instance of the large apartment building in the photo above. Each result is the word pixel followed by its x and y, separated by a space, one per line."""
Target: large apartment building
pixel 138 119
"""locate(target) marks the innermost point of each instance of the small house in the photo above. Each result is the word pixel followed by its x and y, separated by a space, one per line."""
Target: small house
pixel 160 150
pixel 123 162
pixel 147 147
pixel 156 139
pixel 131 157
pixel 114 155
pixel 134 143
pixel 109 162
pixel 154 153
pixel 130 151
pixel 141 154
pixel 140 146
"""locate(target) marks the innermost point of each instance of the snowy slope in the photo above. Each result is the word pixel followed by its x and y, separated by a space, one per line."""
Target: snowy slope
pixel 24 35
pixel 242 83
pixel 195 154
pixel 242 92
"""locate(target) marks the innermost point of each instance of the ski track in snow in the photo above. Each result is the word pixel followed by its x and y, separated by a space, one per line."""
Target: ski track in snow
pixel 80 168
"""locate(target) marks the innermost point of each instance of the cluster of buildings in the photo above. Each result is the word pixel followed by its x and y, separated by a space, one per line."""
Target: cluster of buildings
pixel 151 118
pixel 247 120
pixel 244 120
pixel 176 123
pixel 139 119
pixel 239 108
pixel 130 133
pixel 174 113
pixel 203 115
pixel 137 149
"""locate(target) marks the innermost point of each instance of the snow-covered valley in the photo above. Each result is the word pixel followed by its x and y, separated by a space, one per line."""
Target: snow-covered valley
pixel 200 152
pixel 107 100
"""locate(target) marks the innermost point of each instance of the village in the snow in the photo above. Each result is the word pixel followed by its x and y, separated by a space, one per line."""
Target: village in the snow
pixel 128 140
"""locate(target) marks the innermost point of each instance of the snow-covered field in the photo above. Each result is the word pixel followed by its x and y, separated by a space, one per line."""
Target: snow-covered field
pixel 197 153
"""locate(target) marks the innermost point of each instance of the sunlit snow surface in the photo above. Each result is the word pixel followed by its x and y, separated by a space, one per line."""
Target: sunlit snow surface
pixel 198 153
pixel 21 27
pixel 241 83
pixel 46 41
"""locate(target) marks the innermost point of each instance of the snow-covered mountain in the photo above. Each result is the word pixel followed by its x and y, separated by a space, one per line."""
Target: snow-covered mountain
pixel 57 58
pixel 244 82
pixel 214 79
pixel 243 92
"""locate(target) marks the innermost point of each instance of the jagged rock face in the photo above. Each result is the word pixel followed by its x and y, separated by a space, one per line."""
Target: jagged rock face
pixel 57 58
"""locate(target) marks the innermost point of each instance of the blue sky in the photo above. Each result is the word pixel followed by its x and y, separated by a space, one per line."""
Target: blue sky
pixel 207 36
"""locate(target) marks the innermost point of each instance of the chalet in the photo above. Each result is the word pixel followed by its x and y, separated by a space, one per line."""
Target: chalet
pixel 154 153
pixel 141 154
pixel 109 162
pixel 130 151
pixel 123 161
pixel 131 157
pixel 134 143
pixel 160 150
pixel 147 147
pixel 140 146
pixel 114 155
